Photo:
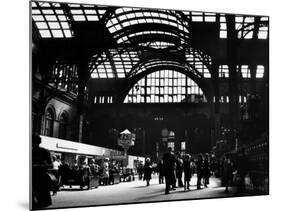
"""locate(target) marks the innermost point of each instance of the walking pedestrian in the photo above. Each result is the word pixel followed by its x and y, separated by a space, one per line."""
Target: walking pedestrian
pixel 168 169
pixel 206 170
pixel 41 184
pixel 227 169
pixel 161 173
pixel 187 171
pixel 242 169
pixel 199 169
pixel 179 169
pixel 147 168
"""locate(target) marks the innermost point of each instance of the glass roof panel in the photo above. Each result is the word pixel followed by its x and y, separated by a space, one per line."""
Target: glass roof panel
pixel 45 33
pixel 52 18
pixel 123 19
pixel 245 27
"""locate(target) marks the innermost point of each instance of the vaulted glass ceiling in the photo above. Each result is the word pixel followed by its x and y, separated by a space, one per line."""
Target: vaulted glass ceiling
pixel 120 64
pixel 141 29
pixel 143 21
pixel 113 63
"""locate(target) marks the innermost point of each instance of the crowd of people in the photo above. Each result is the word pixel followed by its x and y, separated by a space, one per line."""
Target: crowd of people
pixel 48 172
pixel 176 171
pixel 172 168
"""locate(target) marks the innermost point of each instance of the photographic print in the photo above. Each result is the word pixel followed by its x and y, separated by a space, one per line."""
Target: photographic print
pixel 137 105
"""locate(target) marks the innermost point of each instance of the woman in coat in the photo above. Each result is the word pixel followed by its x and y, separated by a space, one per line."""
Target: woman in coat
pixel 206 170
pixel 227 169
pixel 147 168
pixel 187 171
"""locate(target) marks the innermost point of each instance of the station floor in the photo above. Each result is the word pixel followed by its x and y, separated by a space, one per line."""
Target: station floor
pixel 135 191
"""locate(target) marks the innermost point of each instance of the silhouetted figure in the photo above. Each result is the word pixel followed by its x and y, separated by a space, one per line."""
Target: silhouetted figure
pixel 187 171
pixel 147 169
pixel 161 172
pixel 105 173
pixel 41 184
pixel 140 171
pixel 168 169
pixel 199 168
pixel 242 169
pixel 94 167
pixel 174 176
pixel 227 169
pixel 179 169
pixel 206 170
pixel 56 171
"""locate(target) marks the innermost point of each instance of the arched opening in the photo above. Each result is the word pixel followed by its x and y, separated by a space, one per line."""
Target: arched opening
pixel 63 126
pixel 35 117
pixel 165 86
pixel 49 122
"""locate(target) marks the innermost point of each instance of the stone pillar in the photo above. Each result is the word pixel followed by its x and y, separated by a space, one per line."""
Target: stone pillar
pixel 253 70
pixel 83 77
pixel 232 46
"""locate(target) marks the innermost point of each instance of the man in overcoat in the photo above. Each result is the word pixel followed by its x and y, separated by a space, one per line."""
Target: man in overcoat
pixel 168 169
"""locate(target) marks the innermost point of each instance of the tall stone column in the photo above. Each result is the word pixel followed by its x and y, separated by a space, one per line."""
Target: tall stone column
pixel 83 77
pixel 232 47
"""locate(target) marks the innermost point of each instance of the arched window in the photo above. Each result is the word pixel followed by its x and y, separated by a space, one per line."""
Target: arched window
pixel 165 86
pixel 49 122
pixel 35 117
pixel 63 126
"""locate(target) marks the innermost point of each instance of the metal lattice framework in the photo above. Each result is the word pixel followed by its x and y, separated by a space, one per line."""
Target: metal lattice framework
pixel 144 39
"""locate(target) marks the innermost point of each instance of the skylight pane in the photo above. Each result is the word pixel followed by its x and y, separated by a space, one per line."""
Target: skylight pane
pixel 222 19
pixel 54 25
pixel 62 18
pixel 238 19
pixel 197 18
pixel 67 33
pixel 262 35
pixel 64 25
pixel 223 34
pixel 36 12
pixel 48 11
pixel 44 4
pixel 249 19
pixel 95 75
pixel 102 75
pixel 264 18
pixel 45 33
pixel 92 18
pixel 101 12
pixel 210 19
pixel 110 75
pixel 133 22
pixel 77 12
pixel 41 25
pixel 57 33
pixel 59 12
pixel 249 35
pixel 223 26
pixel 51 18
pixel 121 75
pixel 196 13
pixel 119 10
pixel 38 18
pixel 118 27
pixel 131 15
pixel 260 71
pixel 90 11
pixel 79 17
